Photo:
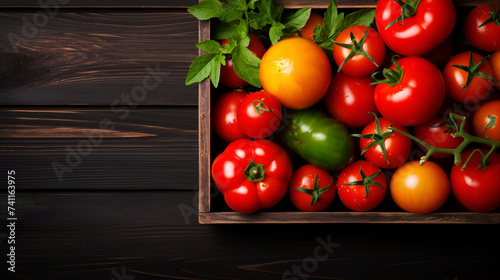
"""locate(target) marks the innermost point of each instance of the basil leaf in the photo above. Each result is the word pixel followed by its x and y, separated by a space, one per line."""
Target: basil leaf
pixel 275 32
pixel 363 17
pixel 203 66
pixel 246 65
pixel 209 46
pixel 206 10
pixel 296 20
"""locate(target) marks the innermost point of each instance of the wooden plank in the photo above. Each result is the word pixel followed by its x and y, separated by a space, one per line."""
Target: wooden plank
pixel 93 58
pixel 323 4
pixel 74 148
pixel 88 235
pixel 98 3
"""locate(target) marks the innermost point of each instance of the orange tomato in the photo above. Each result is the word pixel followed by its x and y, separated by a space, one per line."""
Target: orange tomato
pixel 420 189
pixel 307 31
pixel 296 71
pixel 495 62
pixel 483 116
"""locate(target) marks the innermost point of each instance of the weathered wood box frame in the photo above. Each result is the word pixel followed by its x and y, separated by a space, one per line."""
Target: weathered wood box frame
pixel 206 216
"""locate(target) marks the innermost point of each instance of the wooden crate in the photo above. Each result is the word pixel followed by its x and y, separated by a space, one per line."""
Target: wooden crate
pixel 269 216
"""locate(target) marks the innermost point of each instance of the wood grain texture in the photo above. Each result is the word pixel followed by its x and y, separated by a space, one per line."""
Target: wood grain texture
pixel 136 4
pixel 154 235
pixel 96 148
pixel 87 58
pixel 323 4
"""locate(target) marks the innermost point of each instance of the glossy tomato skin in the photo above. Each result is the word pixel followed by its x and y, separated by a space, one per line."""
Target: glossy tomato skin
pixel 420 189
pixel 397 145
pixel 307 31
pixel 242 194
pixel 228 77
pixel 319 139
pixel 431 25
pixel 297 71
pixel 350 99
pixel 359 65
pixel 224 116
pixel 495 63
pixel 305 177
pixel 486 37
pixel 259 114
pixel 456 79
pixel 475 189
pixel 483 116
pixel 416 98
pixel 354 196
pixel 433 133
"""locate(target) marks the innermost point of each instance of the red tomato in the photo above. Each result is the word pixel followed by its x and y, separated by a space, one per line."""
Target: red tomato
pixel 396 145
pixel 311 188
pixel 228 77
pixel 495 62
pixel 429 24
pixel 307 31
pixel 466 86
pixel 437 133
pixel 361 186
pixel 350 98
pixel 252 175
pixel 420 189
pixel 486 121
pixel 415 96
pixel 474 188
pixel 482 36
pixel 224 119
pixel 359 60
pixel 259 114
pixel 441 54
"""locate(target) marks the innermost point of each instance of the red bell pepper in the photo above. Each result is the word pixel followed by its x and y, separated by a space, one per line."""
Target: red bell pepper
pixel 252 174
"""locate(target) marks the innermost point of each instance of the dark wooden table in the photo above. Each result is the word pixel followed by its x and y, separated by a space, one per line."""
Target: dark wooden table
pixel 102 134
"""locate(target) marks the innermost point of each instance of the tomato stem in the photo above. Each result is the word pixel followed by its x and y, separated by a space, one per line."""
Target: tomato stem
pixel 260 107
pixel 356 48
pixel 365 181
pixel 408 9
pixel 473 70
pixel 316 191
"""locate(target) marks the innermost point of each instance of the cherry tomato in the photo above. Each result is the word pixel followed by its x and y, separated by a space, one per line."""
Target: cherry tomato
pixel 307 31
pixel 482 36
pixel 430 24
pixel 396 145
pixel 361 186
pixel 467 87
pixel 475 188
pixel 420 189
pixel 259 114
pixel 297 71
pixel 495 62
pixel 350 98
pixel 228 77
pixel 362 60
pixel 415 97
pixel 437 133
pixel 311 188
pixel 224 119
pixel 486 121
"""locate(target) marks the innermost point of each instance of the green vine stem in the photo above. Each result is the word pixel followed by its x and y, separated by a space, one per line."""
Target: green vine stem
pixel 468 138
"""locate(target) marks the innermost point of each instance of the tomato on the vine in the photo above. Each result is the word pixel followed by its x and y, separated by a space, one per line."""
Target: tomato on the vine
pixel 482 27
pixel 486 121
pixel 414 27
pixel 224 116
pixel 311 188
pixel 361 186
pixel 437 133
pixel 420 188
pixel 476 188
pixel 228 77
pixel 412 92
pixel 297 71
pixel 358 50
pixel 350 99
pixel 468 77
pixel 384 148
pixel 259 114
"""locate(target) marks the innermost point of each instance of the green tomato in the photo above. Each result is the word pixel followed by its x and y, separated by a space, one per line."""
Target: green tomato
pixel 319 139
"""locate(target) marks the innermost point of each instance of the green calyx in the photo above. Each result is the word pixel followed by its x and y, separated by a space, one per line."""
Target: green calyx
pixel 366 181
pixel 316 191
pixel 356 48
pixel 468 138
pixel 254 172
pixel 408 9
pixel 392 77
pixel 378 138
pixel 473 70
pixel 260 106
pixel 494 15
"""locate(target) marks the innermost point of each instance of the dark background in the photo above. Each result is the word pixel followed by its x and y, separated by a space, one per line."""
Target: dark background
pixel 125 205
